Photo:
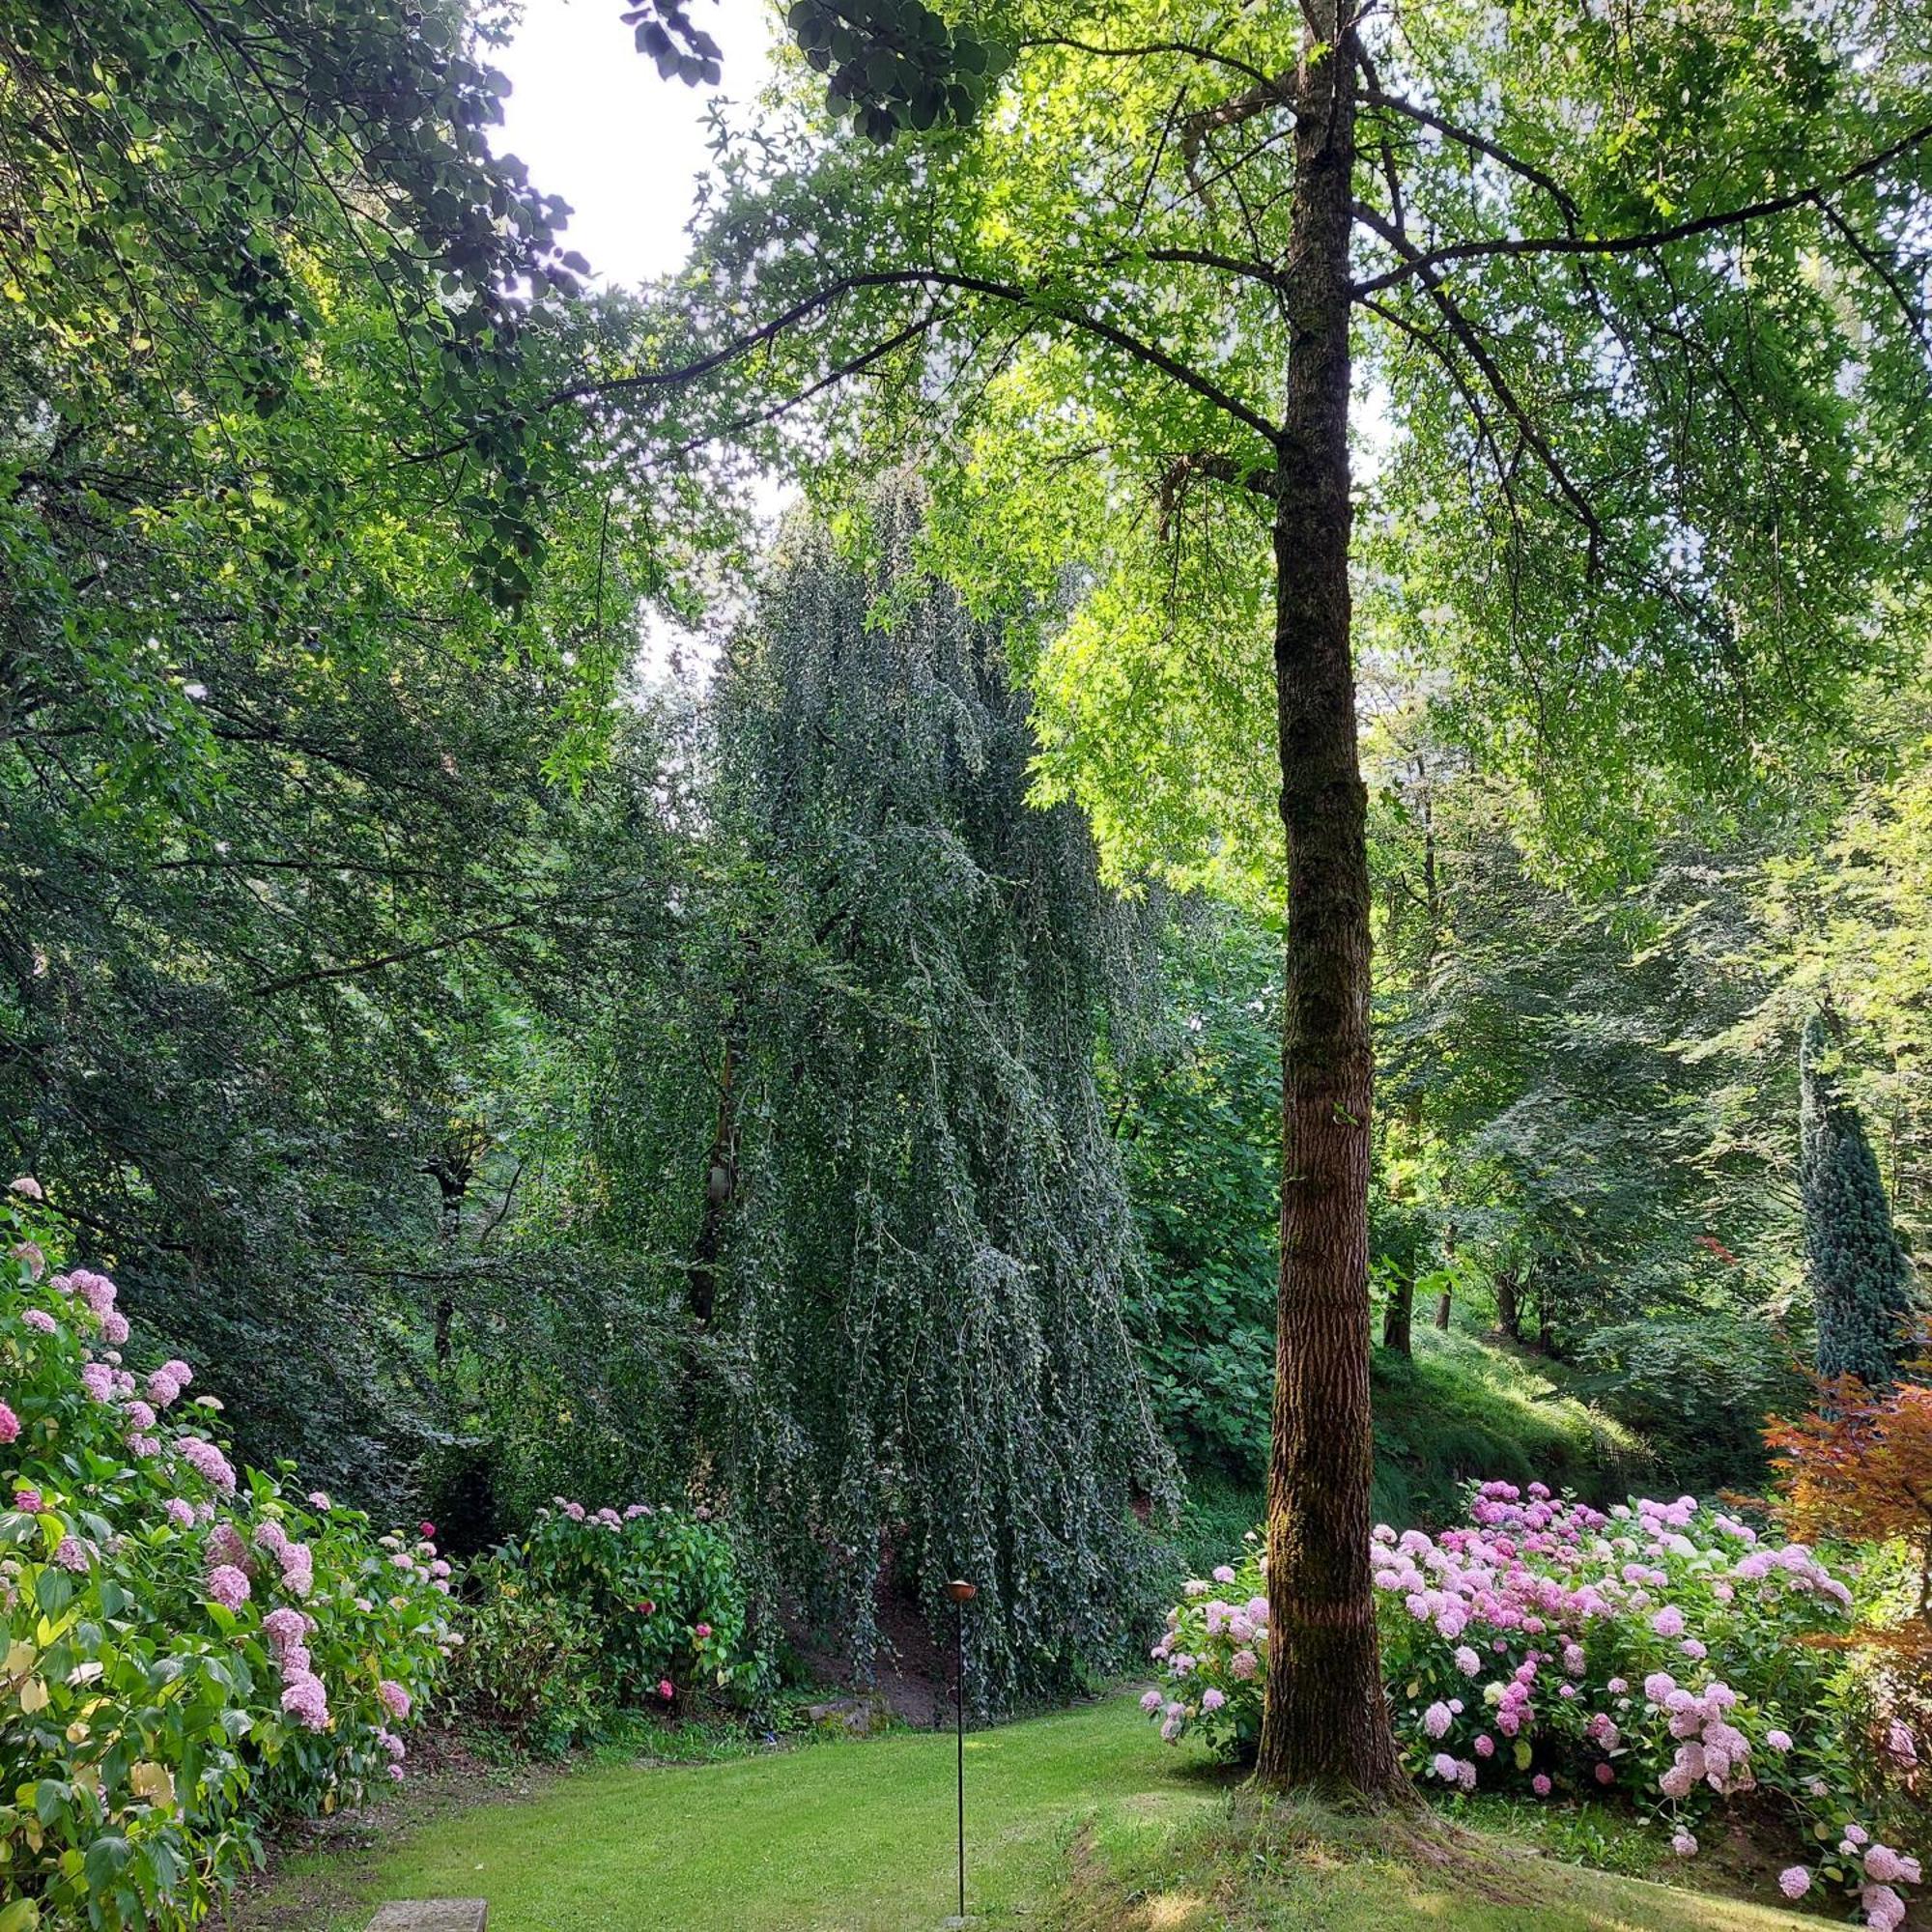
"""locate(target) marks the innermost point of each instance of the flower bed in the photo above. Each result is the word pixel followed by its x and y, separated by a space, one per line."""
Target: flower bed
pixel 188 1648
pixel 1661 1652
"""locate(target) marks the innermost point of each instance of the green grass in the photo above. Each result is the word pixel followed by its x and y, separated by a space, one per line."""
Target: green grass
pixel 1081 1821
pixel 855 1836
pixel 1295 1866
pixel 1465 1408
pixel 1462 1407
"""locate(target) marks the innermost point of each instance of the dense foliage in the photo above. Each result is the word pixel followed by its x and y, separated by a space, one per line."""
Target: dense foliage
pixel 192 1651
pixel 840 1135
pixel 1662 1652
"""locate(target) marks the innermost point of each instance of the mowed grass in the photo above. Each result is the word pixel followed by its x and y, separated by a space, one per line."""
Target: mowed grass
pixel 1081 1821
pixel 856 1835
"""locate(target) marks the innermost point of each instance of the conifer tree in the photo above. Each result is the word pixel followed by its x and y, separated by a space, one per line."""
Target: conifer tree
pixel 1857 1270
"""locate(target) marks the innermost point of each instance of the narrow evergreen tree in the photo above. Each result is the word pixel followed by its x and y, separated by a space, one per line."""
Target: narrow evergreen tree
pixel 1858 1272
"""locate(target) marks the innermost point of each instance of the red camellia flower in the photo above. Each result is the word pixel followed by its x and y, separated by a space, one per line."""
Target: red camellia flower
pixel 427 1528
pixel 646 1607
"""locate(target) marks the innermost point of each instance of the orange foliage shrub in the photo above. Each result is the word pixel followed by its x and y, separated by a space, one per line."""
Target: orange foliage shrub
pixel 1859 1469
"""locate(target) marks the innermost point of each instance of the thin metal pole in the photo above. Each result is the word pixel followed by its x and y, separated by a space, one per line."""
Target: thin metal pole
pixel 959 1707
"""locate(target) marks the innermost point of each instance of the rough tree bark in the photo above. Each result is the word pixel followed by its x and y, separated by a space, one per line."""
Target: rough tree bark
pixel 1326 1720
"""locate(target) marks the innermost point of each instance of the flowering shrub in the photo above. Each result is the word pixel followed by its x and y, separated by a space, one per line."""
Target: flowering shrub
pixel 188 1649
pixel 653 1591
pixel 1661 1651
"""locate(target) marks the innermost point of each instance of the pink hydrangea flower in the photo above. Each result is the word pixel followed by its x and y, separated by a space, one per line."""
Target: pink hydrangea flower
pixel 1540 1784
pixel 10 1424
pixel 1684 1844
pixel 71 1554
pixel 1794 1880
pixel 39 1318
pixel 28 1501
pixel 1212 1699
pixel 228 1586
pixel 208 1462
pixel 27 1187
pixel 306 1700
pixel 666 1690
pixel 181 1514
pixel 394 1697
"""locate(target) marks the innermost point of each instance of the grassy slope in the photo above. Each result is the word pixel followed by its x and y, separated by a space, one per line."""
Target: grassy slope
pixel 1297 1867
pixel 858 1837
pixel 1463 1406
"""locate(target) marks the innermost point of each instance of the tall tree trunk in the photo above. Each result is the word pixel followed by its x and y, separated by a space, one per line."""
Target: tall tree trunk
pixel 1509 1304
pixel 1326 1718
pixel 1398 1316
pixel 1444 1299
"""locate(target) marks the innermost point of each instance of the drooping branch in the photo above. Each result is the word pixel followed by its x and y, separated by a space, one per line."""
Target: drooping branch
pixel 1269 91
pixel 1470 340
pixel 1259 478
pixel 1047 304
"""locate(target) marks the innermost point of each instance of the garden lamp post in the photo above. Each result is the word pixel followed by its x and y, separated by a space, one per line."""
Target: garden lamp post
pixel 962 1593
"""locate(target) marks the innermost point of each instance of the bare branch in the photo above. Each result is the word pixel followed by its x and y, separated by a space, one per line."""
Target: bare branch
pixel 1188 49
pixel 1044 303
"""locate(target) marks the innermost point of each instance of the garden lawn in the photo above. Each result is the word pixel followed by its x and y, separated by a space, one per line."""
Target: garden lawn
pixel 1082 1819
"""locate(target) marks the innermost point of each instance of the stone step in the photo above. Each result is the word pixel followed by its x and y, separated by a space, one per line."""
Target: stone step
pixel 433 1914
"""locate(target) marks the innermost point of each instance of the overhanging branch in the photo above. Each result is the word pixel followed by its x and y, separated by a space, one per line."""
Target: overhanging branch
pixel 1812 195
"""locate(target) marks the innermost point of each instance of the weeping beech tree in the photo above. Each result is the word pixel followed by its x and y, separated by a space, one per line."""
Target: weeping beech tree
pixel 923 1264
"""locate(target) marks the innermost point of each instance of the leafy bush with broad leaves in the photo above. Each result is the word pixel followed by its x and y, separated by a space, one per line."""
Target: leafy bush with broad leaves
pixel 654 1592
pixel 1661 1652
pixel 187 1651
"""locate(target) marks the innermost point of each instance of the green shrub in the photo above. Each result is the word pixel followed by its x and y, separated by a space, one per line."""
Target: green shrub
pixel 186 1652
pixel 596 1611
pixel 529 1668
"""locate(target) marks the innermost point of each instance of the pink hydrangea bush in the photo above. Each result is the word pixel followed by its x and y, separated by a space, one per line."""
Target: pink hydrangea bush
pixel 185 1649
pixel 1659 1652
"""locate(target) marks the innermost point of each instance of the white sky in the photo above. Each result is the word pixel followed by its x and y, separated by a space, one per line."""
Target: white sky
pixel 595 122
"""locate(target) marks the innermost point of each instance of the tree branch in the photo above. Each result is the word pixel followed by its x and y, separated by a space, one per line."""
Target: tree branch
pixel 1465 333
pixel 1812 195
pixel 1037 301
